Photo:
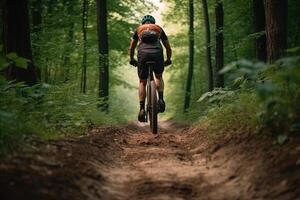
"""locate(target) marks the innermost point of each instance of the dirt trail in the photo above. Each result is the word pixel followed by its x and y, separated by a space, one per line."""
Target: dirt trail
pixel 130 163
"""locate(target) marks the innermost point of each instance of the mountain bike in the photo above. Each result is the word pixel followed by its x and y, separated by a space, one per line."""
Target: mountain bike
pixel 151 98
pixel 152 107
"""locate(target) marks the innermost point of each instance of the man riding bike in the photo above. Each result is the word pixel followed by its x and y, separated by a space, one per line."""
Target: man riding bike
pixel 149 35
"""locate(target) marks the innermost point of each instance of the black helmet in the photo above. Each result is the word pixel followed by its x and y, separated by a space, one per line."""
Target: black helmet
pixel 148 18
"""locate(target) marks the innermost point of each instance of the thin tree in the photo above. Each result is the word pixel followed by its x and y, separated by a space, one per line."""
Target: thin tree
pixel 276 28
pixel 66 57
pixel 16 39
pixel 260 27
pixel 219 78
pixel 1 23
pixel 84 59
pixel 36 16
pixel 208 45
pixel 103 53
pixel 46 69
pixel 191 57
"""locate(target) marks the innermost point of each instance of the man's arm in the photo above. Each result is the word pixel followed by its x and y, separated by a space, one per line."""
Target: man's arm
pixel 168 49
pixel 132 47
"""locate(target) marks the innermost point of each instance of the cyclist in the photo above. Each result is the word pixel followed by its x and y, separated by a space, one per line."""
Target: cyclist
pixel 149 35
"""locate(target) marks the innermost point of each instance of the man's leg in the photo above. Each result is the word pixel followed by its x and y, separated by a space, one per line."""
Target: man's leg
pixel 159 81
pixel 142 97
pixel 142 93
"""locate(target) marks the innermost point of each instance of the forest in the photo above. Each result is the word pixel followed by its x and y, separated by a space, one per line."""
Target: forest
pixel 69 101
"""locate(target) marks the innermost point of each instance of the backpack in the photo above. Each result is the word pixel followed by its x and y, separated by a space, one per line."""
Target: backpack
pixel 149 36
pixel 149 33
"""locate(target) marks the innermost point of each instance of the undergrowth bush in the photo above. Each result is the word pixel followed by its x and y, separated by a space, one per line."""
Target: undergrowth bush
pixel 280 95
pixel 48 111
pixel 232 110
pixel 262 97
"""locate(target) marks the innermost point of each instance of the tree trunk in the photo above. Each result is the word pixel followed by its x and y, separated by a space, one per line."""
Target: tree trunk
pixel 66 57
pixel 103 53
pixel 191 57
pixel 36 13
pixel 276 28
pixel 16 38
pixel 1 25
pixel 260 26
pixel 46 72
pixel 84 59
pixel 219 78
pixel 208 45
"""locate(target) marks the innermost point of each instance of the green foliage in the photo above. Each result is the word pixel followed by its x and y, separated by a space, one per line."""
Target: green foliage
pixel 258 95
pixel 55 107
pixel 280 93
pixel 243 73
pixel 265 99
pixel 237 111
pixel 48 111
pixel 18 61
pixel 238 30
pixel 217 96
pixel 11 109
pixel 293 23
pixel 277 87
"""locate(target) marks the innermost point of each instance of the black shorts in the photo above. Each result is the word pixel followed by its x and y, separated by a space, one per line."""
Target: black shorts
pixel 150 55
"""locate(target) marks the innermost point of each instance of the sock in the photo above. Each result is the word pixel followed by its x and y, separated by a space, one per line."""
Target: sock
pixel 142 105
pixel 161 95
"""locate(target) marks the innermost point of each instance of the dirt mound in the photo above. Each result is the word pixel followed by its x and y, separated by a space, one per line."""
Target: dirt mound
pixel 60 169
pixel 130 163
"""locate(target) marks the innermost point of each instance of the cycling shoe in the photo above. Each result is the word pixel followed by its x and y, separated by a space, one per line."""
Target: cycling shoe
pixel 142 116
pixel 161 106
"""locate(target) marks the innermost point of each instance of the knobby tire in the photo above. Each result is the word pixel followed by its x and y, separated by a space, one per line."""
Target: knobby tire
pixel 154 107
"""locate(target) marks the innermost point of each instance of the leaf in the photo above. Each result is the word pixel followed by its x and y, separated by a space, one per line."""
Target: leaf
pixel 295 127
pixel 256 35
pixel 266 88
pixel 46 85
pixel 70 114
pixel 78 123
pixel 260 65
pixel 270 103
pixel 82 103
pixel 19 61
pixel 5 114
pixel 204 96
pixel 293 50
pixel 238 81
pixel 3 63
pixel 244 70
pixel 282 139
pixel 261 114
pixel 228 68
pixel 245 63
pixel 50 102
pixel 12 56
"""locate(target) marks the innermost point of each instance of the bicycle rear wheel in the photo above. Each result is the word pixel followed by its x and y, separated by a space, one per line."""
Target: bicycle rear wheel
pixel 154 109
